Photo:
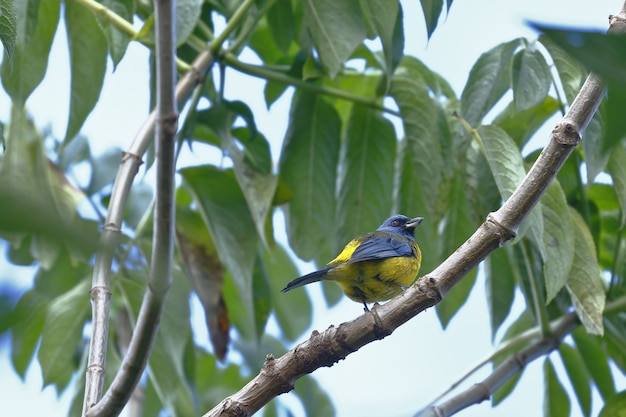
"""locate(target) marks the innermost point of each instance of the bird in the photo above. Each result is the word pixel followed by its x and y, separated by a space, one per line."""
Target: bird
pixel 375 266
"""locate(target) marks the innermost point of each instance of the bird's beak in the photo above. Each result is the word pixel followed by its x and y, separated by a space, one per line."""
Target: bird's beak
pixel 413 223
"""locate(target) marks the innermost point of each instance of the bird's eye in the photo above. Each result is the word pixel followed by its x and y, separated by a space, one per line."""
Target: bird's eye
pixel 395 223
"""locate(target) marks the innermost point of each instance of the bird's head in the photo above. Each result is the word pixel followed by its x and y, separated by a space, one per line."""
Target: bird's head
pixel 401 224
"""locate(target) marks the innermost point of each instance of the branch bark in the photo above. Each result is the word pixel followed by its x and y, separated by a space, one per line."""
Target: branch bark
pixel 324 349
pixel 101 280
pixel 159 282
pixel 481 391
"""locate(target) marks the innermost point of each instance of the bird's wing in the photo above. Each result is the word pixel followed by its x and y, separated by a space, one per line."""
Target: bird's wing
pixel 381 247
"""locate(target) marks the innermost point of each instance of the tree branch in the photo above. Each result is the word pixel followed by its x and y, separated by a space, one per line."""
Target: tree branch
pixel 324 349
pixel 481 391
pixel 101 281
pixel 159 282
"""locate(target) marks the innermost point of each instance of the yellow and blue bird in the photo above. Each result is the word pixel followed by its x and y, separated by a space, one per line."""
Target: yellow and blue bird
pixel 375 266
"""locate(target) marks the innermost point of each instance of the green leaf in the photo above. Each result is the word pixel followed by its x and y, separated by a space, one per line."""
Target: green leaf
pixel 166 359
pixel 336 28
pixel 293 311
pixel 488 81
pixel 36 24
pixel 315 400
pixel 420 119
pixel 367 171
pixel 104 169
pixel 615 406
pixel 308 166
pixel 384 17
pixel 28 321
pixel 531 79
pixel 281 24
pixel 507 167
pixel 500 288
pixel 88 54
pixel 522 125
pixel 116 40
pixel 8 27
pixel 206 274
pixel 585 283
pixel 62 333
pixel 555 400
pixel 596 158
pixel 457 227
pixel 602 54
pixel 187 15
pixel 571 73
pixel 578 376
pixel 411 202
pixel 617 169
pixel 227 216
pixel 558 239
pixel 596 361
pixel 432 11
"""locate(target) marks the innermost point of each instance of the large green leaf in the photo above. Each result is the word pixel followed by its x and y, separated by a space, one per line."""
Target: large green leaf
pixel 531 78
pixel 227 216
pixel 488 81
pixel 293 310
pixel 507 167
pixel 578 376
pixel 499 287
pixel 367 171
pixel 336 28
pixel 555 401
pixel 36 24
pixel 558 239
pixel 615 406
pixel 585 283
pixel 457 227
pixel 28 318
pixel 432 11
pixel 308 166
pixel 314 398
pixel 117 41
pixel 8 27
pixel 571 73
pixel 602 54
pixel 384 19
pixel 166 359
pixel 62 333
pixel 88 54
pixel 596 361
pixel 522 125
pixel 596 158
pixel 420 118
pixel 281 24
pixel 617 169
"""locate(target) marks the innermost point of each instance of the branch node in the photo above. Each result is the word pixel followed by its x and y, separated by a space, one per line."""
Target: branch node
pixel 380 331
pixel 129 155
pixel 484 391
pixel 429 286
pixel 565 133
pixel 502 232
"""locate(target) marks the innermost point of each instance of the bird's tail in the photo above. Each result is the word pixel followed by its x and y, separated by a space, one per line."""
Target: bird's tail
pixel 306 279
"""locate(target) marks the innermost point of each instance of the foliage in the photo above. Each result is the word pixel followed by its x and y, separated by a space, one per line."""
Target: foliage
pixel 344 167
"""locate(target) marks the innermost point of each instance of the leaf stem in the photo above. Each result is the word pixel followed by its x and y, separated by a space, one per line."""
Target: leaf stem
pixel 267 74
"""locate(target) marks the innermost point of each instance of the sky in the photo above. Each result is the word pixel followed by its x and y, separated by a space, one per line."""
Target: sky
pixel 398 375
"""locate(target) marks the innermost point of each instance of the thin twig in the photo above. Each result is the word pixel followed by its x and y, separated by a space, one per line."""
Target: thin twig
pixel 481 391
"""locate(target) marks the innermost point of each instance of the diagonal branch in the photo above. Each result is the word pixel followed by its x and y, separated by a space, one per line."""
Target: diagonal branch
pixel 512 365
pixel 278 375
